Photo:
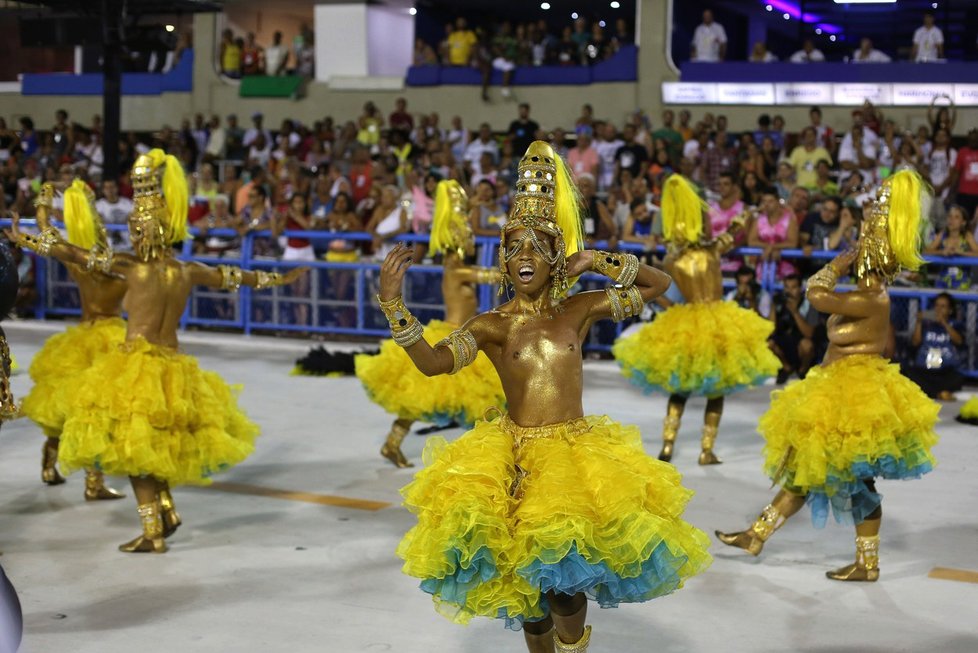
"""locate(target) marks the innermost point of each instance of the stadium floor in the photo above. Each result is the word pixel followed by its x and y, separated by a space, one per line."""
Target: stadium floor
pixel 293 550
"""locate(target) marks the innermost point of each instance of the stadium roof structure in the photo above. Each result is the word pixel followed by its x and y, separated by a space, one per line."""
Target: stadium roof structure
pixel 140 7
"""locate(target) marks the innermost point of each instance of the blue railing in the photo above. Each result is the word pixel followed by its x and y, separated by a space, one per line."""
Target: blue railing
pixel 338 298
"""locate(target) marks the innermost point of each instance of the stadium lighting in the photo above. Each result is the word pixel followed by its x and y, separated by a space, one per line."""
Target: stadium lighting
pixel 818 30
pixel 769 8
pixel 601 23
pixel 787 16
pixel 865 2
pixel 413 11
pixel 544 5
pixel 170 28
pixel 615 4
pixel 574 16
pixel 832 37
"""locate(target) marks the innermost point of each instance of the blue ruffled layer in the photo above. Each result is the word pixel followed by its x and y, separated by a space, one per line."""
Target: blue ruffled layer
pixel 852 501
pixel 707 387
pixel 654 577
pixel 446 419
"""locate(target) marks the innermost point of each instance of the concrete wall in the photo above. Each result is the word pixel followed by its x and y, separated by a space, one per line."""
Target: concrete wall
pixel 551 105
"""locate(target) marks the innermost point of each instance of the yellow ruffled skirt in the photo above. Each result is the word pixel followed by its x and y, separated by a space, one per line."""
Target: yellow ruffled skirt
pixel 845 423
pixel 56 368
pixel 507 514
pixel 969 412
pixel 710 350
pixel 394 383
pixel 145 410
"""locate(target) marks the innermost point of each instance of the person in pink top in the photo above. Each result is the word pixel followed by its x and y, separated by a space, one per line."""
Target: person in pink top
pixel 583 159
pixel 423 199
pixel 775 229
pixel 723 211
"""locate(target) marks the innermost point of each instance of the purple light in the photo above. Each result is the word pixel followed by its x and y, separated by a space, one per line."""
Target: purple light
pixel 795 12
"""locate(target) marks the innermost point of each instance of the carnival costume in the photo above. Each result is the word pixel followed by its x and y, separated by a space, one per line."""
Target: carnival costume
pixel 856 418
pixel 144 409
pixel 390 377
pixel 56 368
pixel 511 515
pixel 705 347
pixel 969 412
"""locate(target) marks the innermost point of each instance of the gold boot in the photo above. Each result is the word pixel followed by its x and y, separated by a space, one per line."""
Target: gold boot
pixel 171 519
pixel 752 540
pixel 707 457
pixel 867 565
pixel 580 646
pixel 392 446
pixel 670 427
pixel 97 490
pixel 49 463
pixel 151 541
pixel 539 643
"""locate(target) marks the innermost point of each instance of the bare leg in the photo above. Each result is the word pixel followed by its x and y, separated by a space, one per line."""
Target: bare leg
pixel 49 463
pixel 670 427
pixel 711 423
pixel 775 514
pixel 867 565
pixel 392 446
pixel 569 614
pixel 539 636
pixel 151 540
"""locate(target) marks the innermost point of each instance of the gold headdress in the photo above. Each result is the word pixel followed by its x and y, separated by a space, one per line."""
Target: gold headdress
pixel 890 235
pixel 450 229
pixel 682 212
pixel 84 226
pixel 546 200
pixel 160 198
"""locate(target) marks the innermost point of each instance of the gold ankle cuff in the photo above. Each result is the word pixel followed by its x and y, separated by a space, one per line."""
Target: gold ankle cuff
pixel 868 551
pixel 580 646
pixel 769 521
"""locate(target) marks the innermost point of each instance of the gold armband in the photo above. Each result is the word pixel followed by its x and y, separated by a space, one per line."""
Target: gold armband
pixel 622 268
pixel 8 407
pixel 405 328
pixel 41 243
pixel 231 277
pixel 487 275
pixel 626 302
pixel 267 279
pixel 824 278
pixel 99 260
pixel 463 346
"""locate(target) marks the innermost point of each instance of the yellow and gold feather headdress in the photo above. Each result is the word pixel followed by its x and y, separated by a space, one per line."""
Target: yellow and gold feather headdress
pixel 682 212
pixel 160 198
pixel 546 200
pixel 450 228
pixel 890 234
pixel 82 221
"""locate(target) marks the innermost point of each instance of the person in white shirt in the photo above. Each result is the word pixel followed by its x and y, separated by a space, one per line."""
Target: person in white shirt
pixel 485 143
pixel 216 141
pixel 928 41
pixel 859 151
pixel 114 209
pixel 760 54
pixel 868 54
pixel 251 134
pixel 458 138
pixel 709 40
pixel 607 146
pixel 276 55
pixel 808 53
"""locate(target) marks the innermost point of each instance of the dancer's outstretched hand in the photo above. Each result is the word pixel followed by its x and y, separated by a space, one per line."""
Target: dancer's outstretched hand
pixel 294 275
pixel 14 232
pixel 392 271
pixel 844 261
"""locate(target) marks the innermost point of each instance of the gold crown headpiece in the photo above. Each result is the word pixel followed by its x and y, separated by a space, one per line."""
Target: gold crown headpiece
pixel 160 195
pixel 82 221
pixel 890 234
pixel 546 200
pixel 450 228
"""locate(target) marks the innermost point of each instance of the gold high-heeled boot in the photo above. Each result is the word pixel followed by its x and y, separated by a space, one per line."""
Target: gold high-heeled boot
pixel 867 565
pixel 49 463
pixel 707 457
pixel 539 643
pixel 97 490
pixel 171 519
pixel 580 646
pixel 670 428
pixel 752 540
pixel 151 541
pixel 392 446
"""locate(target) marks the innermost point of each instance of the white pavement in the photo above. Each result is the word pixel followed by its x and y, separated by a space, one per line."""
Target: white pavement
pixel 253 573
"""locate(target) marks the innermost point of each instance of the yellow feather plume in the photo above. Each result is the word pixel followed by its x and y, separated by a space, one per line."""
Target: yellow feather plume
pixel 81 221
pixel 903 225
pixel 176 194
pixel 682 211
pixel 567 206
pixel 442 236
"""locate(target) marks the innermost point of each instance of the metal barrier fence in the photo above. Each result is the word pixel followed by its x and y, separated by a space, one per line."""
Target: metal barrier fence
pixel 338 298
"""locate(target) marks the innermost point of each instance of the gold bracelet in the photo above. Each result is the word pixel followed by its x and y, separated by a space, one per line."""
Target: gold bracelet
pixel 267 279
pixel 409 335
pixel 622 268
pixel 43 242
pixel 824 278
pixel 463 346
pixel 487 275
pixel 405 328
pixel 231 277
pixel 625 301
pixel 99 260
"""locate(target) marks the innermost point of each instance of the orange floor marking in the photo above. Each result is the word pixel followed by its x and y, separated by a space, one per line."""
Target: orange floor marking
pixel 307 497
pixel 959 575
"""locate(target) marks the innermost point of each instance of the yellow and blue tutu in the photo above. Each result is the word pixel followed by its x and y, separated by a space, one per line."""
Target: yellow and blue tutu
pixel 848 422
pixel 393 382
pixel 57 365
pixel 509 513
pixel 146 410
pixel 969 412
pixel 710 350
